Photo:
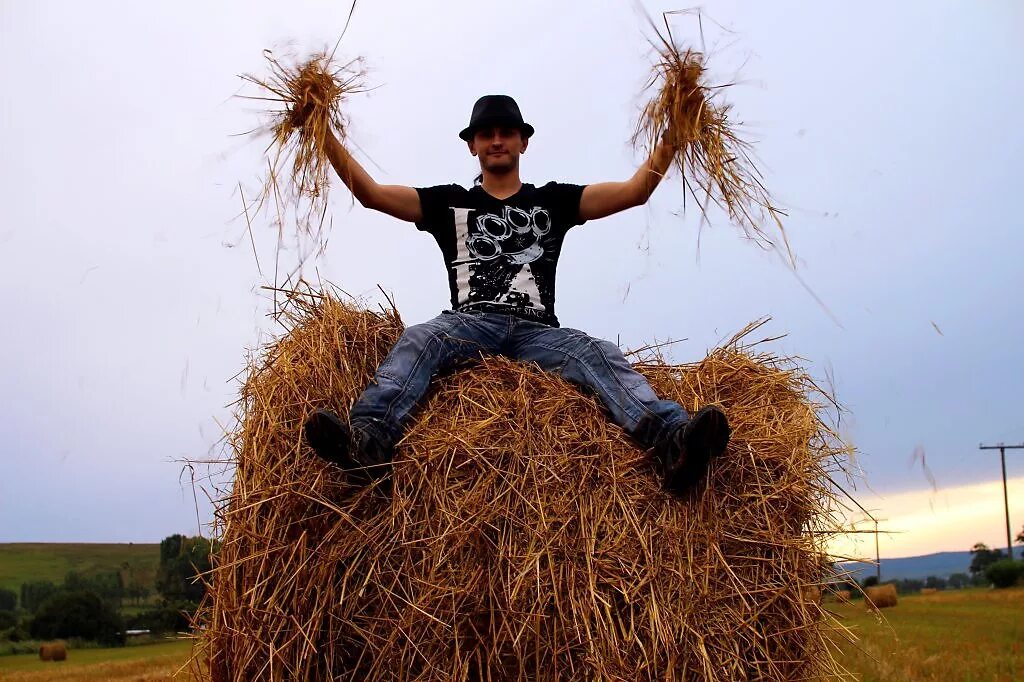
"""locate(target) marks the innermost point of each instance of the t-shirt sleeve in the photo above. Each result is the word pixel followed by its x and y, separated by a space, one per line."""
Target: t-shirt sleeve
pixel 564 200
pixel 435 203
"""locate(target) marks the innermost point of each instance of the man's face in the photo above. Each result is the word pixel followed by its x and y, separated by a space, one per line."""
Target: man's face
pixel 498 148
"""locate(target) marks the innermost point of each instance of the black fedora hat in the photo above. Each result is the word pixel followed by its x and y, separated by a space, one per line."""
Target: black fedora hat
pixel 492 110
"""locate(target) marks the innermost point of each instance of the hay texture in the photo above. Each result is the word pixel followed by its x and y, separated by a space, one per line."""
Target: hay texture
pixel 524 536
pixel 880 597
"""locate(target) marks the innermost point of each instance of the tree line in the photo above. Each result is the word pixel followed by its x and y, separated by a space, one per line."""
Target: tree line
pixel 989 567
pixel 88 606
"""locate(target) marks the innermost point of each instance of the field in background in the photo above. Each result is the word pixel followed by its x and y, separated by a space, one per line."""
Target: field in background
pixel 145 662
pixel 954 636
pixel 958 636
pixel 25 562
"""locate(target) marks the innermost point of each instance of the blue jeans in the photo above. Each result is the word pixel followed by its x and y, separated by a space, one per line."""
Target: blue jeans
pixel 425 350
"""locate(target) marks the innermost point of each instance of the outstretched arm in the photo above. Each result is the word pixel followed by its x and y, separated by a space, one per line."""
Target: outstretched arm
pixel 605 198
pixel 396 200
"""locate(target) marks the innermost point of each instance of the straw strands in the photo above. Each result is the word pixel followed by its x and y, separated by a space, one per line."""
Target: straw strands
pixel 521 534
pixel 716 164
pixel 309 97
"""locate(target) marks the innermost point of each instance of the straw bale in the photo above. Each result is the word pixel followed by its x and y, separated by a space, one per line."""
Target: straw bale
pixel 880 596
pixel 521 534
pixel 55 651
pixel 928 590
pixel 844 596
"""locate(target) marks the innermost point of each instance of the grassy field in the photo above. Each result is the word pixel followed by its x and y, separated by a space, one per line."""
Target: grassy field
pixel 963 636
pixel 146 662
pixel 23 562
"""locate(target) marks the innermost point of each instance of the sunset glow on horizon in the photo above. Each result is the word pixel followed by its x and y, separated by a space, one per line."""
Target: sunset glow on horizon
pixel 926 521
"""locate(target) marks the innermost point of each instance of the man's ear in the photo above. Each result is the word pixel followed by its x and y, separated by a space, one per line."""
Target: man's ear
pixel 526 143
pixel 472 149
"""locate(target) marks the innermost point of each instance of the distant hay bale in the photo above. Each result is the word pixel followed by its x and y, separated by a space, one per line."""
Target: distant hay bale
pixel 55 651
pixel 811 594
pixel 524 536
pixel 844 596
pixel 880 596
pixel 928 590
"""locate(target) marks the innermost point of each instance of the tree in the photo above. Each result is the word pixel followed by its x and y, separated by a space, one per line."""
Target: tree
pixel 982 557
pixel 958 581
pixel 109 585
pixel 8 600
pixel 1004 573
pixel 871 581
pixel 934 582
pixel 182 560
pixel 33 594
pixel 77 614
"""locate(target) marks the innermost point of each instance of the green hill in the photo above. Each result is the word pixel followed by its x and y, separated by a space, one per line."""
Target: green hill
pixel 27 561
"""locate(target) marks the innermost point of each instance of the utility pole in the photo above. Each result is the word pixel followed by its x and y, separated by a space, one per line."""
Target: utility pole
pixel 1006 500
pixel 878 557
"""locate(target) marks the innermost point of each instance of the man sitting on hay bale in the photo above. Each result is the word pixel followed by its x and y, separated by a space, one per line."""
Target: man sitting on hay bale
pixel 501 241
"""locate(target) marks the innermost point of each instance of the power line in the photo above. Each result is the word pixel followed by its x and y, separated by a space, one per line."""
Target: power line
pixel 1006 500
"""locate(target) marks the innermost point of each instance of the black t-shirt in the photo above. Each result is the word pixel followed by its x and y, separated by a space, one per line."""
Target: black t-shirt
pixel 501 255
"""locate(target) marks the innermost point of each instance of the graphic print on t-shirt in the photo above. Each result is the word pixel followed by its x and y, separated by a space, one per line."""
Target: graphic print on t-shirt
pixel 512 240
pixel 502 254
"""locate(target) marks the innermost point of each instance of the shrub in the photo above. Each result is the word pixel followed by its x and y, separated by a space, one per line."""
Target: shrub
pixel 171 617
pixel 34 594
pixel 1003 573
pixel 8 600
pixel 77 614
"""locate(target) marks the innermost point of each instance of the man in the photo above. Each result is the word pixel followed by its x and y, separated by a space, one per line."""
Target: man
pixel 501 241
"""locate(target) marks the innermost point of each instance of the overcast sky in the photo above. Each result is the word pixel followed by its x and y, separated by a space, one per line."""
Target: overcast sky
pixel 890 133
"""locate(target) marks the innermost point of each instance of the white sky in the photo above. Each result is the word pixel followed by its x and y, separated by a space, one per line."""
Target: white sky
pixel 891 134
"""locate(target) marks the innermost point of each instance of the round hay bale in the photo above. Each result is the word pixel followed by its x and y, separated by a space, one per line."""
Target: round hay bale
pixel 811 594
pixel 55 651
pixel 844 596
pixel 880 596
pixel 521 534
pixel 928 590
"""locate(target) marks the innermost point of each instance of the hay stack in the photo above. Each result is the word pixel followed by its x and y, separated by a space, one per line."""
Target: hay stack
pixel 928 590
pixel 844 596
pixel 880 596
pixel 55 651
pixel 524 537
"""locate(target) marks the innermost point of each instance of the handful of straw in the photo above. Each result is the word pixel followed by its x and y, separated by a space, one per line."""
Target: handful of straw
pixel 310 96
pixel 717 165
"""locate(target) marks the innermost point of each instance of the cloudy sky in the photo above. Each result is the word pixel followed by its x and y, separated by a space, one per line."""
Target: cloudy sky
pixel 891 135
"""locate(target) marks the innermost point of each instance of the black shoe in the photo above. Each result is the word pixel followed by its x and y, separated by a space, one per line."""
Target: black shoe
pixel 355 451
pixel 692 447
pixel 372 460
pixel 330 438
